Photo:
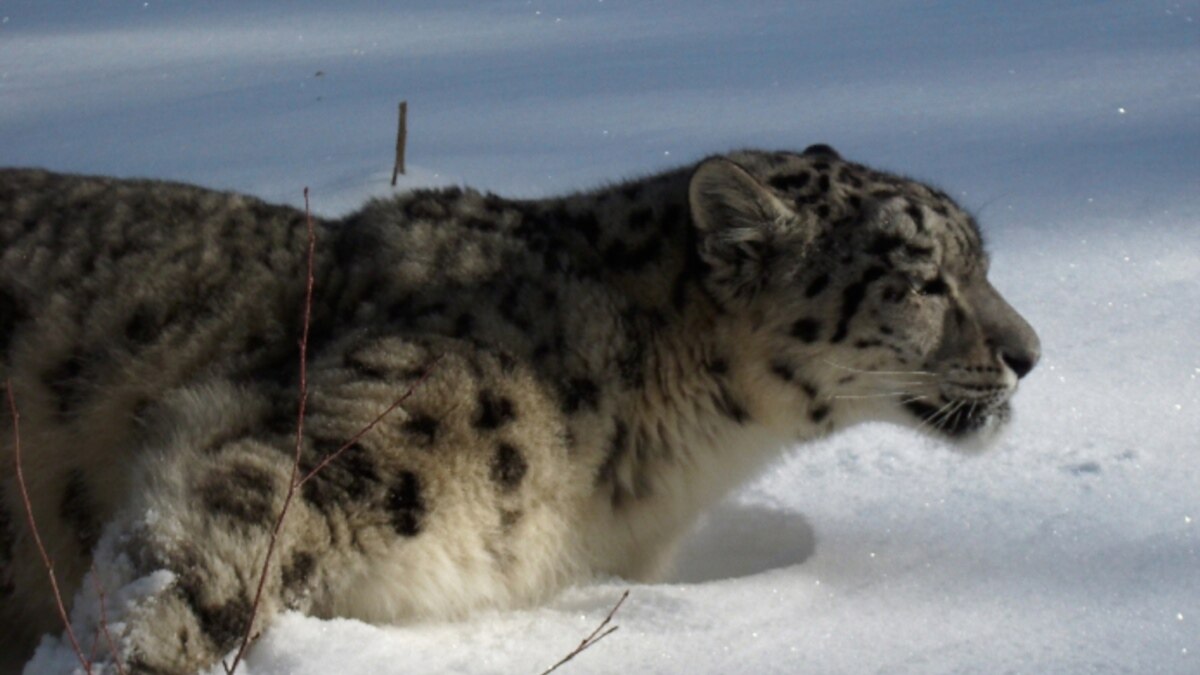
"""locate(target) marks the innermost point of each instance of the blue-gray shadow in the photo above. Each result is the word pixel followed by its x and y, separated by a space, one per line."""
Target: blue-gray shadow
pixel 739 540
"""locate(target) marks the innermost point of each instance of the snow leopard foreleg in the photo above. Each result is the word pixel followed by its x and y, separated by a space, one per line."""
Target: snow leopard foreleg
pixel 182 564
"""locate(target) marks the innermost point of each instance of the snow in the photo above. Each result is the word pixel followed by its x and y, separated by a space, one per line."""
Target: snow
pixel 1072 129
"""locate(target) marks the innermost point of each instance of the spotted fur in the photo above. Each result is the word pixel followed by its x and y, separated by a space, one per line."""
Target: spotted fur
pixel 599 368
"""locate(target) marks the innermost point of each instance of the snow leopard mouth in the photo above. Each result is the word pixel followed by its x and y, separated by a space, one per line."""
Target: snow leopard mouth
pixel 959 419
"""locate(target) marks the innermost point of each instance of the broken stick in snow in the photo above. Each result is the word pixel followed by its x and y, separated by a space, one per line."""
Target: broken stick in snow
pixel 401 140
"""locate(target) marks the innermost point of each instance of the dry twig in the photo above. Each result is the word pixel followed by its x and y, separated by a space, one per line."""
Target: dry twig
pixel 296 481
pixel 379 418
pixel 292 482
pixel 401 141
pixel 103 627
pixel 597 635
pixel 37 537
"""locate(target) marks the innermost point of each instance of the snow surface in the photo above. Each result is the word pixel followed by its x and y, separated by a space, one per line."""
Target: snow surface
pixel 1071 128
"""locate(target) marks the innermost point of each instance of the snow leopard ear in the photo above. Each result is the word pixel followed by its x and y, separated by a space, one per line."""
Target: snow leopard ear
pixel 741 225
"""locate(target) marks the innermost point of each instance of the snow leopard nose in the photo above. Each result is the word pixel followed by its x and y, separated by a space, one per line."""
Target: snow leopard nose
pixel 1020 362
pixel 1010 337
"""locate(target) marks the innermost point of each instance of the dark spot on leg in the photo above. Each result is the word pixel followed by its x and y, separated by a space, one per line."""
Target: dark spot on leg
pixel 508 467
pixel 298 569
pixel 79 511
pixel 717 366
pixel 819 413
pixel 351 477
pixel 425 427
pixel 222 622
pixel 225 623
pixel 806 330
pixel 406 504
pixel 243 492
pixel 493 411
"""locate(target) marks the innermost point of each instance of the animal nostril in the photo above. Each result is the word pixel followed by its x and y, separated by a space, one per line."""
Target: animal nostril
pixel 1021 364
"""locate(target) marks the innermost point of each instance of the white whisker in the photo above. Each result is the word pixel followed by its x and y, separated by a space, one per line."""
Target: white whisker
pixel 932 420
pixel 945 418
pixel 879 372
pixel 886 394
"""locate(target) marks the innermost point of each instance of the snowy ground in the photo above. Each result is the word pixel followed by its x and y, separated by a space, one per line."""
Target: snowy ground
pixel 1072 128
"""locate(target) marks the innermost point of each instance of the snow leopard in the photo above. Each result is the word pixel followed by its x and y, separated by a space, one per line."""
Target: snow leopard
pixel 505 396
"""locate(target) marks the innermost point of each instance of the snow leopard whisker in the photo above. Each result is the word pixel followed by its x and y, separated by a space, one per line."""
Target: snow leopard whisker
pixel 949 415
pixel 860 371
pixel 932 421
pixel 886 394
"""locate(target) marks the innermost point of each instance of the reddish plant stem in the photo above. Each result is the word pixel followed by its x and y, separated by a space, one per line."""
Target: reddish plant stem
pixel 95 642
pixel 301 408
pixel 296 481
pixel 37 537
pixel 379 418
pixel 592 639
pixel 103 627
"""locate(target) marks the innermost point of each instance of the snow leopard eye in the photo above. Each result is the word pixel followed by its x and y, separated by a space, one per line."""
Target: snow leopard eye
pixel 934 286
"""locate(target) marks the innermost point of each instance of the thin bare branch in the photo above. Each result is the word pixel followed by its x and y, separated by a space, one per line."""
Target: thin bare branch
pixel 37 537
pixel 301 408
pixel 379 418
pixel 103 627
pixel 296 481
pixel 597 635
